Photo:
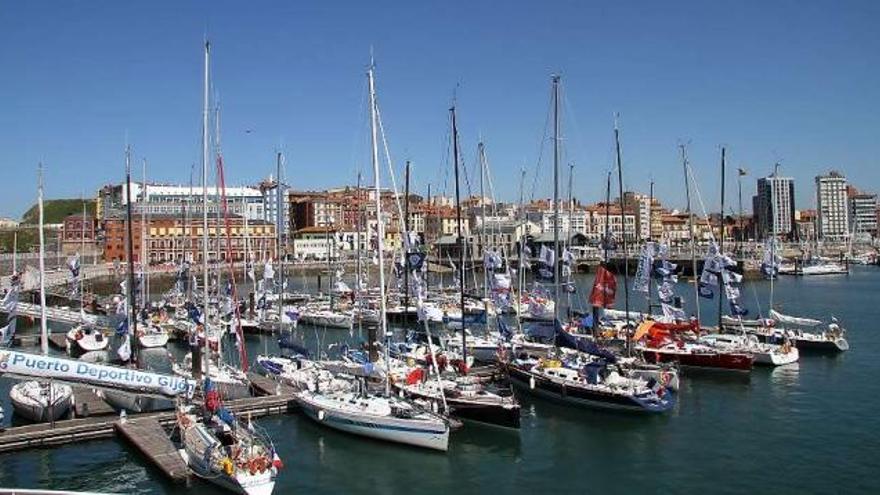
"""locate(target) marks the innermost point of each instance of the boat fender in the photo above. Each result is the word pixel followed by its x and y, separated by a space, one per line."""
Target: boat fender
pixel 226 466
pixel 434 407
pixel 400 393
pixel 321 415
pixel 665 378
pixel 532 382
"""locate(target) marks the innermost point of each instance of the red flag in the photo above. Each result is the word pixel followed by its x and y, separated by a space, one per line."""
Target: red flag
pixel 604 288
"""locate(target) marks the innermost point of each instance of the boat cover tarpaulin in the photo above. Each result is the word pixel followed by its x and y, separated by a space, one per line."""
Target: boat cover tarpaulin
pixel 565 339
pixel 793 320
pixel 72 371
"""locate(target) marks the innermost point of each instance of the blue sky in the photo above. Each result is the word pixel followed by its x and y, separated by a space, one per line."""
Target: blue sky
pixel 789 81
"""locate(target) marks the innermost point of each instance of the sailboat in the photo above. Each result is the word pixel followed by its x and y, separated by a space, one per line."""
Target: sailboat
pixel 231 381
pixel 41 401
pixel 364 413
pixel 214 444
pixel 594 382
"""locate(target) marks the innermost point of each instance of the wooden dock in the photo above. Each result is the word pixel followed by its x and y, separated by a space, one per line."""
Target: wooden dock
pixel 264 385
pixel 86 403
pixel 97 427
pixel 149 436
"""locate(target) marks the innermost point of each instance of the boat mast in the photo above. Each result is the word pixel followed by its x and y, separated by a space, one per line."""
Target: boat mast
pixel 205 302
pixel 773 237
pixel 687 194
pixel 521 273
pixel 380 228
pixel 460 240
pixel 132 303
pixel 481 151
pixel 569 235
pixel 44 329
pixel 278 237
pixel 80 261
pixel 406 233
pixel 623 235
pixel 650 277
pixel 721 235
pixel 555 79
pixel 145 281
pixel 357 288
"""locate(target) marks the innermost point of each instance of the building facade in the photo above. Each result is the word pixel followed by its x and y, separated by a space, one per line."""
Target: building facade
pixel 832 206
pixel 773 207
pixel 863 214
pixel 165 238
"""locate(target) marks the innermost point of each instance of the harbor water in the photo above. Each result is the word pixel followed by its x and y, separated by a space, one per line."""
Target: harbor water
pixel 806 428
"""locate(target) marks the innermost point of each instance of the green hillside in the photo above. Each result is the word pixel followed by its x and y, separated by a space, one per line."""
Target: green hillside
pixel 55 210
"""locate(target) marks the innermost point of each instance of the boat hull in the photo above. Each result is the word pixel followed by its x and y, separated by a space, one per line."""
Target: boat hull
pixel 37 412
pixel 415 433
pixel 580 397
pixel 717 361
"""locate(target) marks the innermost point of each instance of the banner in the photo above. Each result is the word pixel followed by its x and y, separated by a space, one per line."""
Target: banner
pixel 98 375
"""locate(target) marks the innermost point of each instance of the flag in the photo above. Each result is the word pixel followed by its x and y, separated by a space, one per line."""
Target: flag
pixel 250 272
pixel 415 260
pixel 705 291
pixel 567 257
pixel 742 172
pixel 124 350
pixel 604 288
pixel 290 316
pixel 736 309
pixel 268 271
pixel 73 265
pixel 548 256
pixel 672 312
pixel 587 321
pixel 665 292
pixel 122 327
pixel 9 306
pixel 504 330
pixel 730 277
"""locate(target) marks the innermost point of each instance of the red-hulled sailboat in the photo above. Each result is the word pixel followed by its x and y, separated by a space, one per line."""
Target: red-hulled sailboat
pixel 663 343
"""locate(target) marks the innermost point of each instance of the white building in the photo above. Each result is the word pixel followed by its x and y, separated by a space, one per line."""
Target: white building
pixel 773 206
pixel 863 214
pixel 832 206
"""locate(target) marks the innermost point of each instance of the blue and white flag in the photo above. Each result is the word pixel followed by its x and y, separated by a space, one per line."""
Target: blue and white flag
pixel 124 351
pixel 737 310
pixel 122 327
pixel 548 256
pixel 9 305
pixel 73 265
pixel 705 291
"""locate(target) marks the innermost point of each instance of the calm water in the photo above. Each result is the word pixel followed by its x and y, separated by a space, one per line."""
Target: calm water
pixel 808 428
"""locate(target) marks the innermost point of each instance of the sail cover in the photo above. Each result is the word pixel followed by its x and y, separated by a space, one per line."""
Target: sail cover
pixel 793 320
pixel 98 375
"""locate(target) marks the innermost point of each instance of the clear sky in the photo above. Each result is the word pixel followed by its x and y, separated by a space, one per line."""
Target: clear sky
pixel 790 81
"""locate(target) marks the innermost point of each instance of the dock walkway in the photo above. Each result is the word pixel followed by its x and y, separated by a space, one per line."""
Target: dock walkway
pixel 149 436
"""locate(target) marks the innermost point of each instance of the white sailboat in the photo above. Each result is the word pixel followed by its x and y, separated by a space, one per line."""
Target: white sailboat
pixel 213 444
pixel 41 401
pixel 382 417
